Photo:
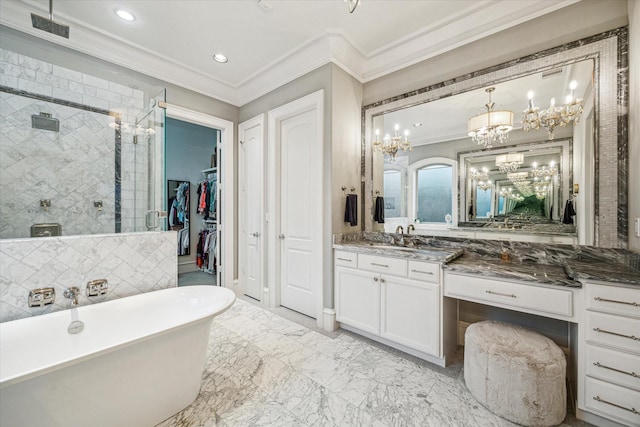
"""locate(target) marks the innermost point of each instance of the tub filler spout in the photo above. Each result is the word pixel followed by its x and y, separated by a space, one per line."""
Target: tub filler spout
pixel 72 295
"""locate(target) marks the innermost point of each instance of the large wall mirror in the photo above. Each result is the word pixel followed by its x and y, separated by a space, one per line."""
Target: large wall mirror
pixel 552 176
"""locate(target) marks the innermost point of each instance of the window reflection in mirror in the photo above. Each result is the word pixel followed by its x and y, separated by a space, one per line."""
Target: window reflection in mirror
pixel 433 193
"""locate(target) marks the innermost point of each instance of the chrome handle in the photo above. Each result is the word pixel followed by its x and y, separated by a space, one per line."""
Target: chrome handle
pixel 281 237
pixel 380 265
pixel 97 287
pixel 41 297
pixel 343 259
pixel 632 374
pixel 632 410
pixel 635 304
pixel 423 272
pixel 501 294
pixel 375 279
pixel 631 337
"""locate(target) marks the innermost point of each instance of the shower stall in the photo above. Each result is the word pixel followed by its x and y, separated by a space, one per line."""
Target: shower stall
pixel 75 165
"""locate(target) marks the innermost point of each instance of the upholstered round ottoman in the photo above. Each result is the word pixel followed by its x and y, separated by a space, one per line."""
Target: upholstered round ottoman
pixel 516 373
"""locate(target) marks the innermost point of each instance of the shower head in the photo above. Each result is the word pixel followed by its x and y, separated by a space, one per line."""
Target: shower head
pixel 44 121
pixel 49 25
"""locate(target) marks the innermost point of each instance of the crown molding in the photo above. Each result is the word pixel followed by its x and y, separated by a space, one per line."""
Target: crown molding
pixel 478 21
pixel 93 42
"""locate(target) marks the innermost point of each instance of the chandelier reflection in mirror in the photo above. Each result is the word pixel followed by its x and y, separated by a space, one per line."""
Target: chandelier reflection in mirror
pixel 391 144
pixel 479 175
pixel 553 117
pixel 491 127
pixel 485 185
pixel 509 162
pixel 543 173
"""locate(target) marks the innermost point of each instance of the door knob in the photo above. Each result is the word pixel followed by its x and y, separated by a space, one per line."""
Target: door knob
pixel 281 237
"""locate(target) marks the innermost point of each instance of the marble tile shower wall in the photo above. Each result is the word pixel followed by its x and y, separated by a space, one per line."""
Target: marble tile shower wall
pixel 77 164
pixel 133 263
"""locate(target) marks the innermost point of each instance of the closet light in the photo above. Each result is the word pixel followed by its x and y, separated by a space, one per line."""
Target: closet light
pixel 125 15
pixel 221 58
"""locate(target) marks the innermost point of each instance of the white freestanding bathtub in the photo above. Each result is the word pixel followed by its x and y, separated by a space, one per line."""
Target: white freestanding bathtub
pixel 137 361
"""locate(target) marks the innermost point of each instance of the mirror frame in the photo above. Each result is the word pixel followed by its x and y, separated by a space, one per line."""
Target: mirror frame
pixel 606 197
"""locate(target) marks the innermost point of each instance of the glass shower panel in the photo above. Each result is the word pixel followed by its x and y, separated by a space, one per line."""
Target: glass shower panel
pixel 149 192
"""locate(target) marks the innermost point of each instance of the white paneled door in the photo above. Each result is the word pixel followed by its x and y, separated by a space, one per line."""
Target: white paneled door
pixel 298 136
pixel 251 206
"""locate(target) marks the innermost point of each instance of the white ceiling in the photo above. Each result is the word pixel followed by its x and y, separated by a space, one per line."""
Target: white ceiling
pixel 174 40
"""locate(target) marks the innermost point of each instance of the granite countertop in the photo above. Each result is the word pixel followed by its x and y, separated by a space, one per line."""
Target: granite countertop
pixel 418 252
pixel 560 265
pixel 548 274
pixel 605 271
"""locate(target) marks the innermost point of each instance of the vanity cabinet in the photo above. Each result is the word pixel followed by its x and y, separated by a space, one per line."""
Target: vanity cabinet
pixel 392 300
pixel 610 349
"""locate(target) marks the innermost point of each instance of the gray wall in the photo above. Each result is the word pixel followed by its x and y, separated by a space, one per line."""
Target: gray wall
pixel 585 18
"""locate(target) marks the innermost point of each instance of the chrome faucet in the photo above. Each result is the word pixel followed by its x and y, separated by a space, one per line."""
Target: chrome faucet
pixel 72 295
pixel 400 231
pixel 410 228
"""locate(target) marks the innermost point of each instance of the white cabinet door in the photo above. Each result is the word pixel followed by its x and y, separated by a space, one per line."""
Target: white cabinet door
pixel 410 313
pixel 358 299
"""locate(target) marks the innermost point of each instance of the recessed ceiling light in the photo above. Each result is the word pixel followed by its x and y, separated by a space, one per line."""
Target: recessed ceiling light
pixel 125 15
pixel 417 125
pixel 219 57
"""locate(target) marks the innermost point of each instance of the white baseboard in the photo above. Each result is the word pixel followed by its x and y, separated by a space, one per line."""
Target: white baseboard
pixel 329 319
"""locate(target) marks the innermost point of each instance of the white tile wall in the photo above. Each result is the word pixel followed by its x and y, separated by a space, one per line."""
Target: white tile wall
pixel 84 150
pixel 133 263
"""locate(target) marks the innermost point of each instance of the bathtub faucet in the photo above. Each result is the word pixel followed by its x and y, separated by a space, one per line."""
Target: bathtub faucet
pixel 72 295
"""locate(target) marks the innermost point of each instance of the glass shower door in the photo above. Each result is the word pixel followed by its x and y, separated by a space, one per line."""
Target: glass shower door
pixel 149 166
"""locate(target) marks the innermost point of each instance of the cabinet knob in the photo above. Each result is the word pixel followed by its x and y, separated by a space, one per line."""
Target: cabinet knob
pixel 375 279
pixel 381 280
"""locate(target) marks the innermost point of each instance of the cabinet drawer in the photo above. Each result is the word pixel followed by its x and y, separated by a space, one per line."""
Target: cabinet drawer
pixel 616 366
pixel 426 271
pixel 347 259
pixel 381 264
pixel 614 299
pixel 613 331
pixel 488 291
pixel 612 401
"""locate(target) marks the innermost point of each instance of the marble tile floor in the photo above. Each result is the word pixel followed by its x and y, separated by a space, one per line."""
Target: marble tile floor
pixel 266 370
pixel 196 278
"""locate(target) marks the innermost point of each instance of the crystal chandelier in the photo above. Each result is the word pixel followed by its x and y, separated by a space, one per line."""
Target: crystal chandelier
pixel 391 144
pixel 479 175
pixel 541 191
pixel 509 162
pixel 493 126
pixel 553 117
pixel 485 185
pixel 544 172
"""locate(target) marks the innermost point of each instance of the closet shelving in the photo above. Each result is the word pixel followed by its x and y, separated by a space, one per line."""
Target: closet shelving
pixel 213 225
